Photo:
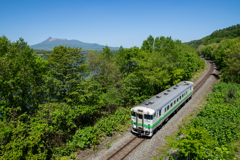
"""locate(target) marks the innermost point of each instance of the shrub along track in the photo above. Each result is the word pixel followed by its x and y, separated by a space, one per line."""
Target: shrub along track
pixel 135 141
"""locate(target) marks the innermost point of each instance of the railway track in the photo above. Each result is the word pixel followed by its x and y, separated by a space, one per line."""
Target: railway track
pixel 209 73
pixel 127 148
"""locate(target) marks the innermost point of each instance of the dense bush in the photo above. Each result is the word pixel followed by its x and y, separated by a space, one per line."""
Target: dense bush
pixel 227 56
pixel 216 126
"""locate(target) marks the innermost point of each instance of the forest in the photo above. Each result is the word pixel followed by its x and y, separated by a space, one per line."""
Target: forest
pixel 213 133
pixel 65 101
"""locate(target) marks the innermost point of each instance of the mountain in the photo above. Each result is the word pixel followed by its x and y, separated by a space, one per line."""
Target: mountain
pixel 217 36
pixel 50 43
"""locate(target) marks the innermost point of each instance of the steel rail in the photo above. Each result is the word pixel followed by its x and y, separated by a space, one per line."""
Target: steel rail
pixel 209 73
pixel 121 153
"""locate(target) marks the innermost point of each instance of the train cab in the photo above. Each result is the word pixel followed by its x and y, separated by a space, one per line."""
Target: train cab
pixel 142 120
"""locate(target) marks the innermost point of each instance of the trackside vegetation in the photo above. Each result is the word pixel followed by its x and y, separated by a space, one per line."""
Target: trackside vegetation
pixel 210 135
pixel 67 101
pixel 215 131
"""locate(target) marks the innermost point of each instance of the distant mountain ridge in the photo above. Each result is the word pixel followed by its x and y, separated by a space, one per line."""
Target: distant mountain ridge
pixel 50 43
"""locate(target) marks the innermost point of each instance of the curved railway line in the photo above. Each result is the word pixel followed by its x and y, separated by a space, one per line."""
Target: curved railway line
pixel 127 148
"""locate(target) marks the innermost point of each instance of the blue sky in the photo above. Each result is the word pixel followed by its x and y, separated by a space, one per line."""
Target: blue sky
pixel 115 22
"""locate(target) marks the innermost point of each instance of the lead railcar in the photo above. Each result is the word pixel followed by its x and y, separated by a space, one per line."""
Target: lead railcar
pixel 150 114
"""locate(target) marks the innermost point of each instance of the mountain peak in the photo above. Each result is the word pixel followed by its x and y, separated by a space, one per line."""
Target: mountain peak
pixel 50 43
pixel 52 39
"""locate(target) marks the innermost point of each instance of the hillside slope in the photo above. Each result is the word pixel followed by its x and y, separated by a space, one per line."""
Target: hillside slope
pixel 217 36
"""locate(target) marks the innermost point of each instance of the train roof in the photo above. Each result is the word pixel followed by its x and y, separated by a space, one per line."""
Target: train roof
pixel 158 101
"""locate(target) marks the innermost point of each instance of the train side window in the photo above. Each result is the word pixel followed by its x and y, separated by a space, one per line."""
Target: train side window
pixel 133 114
pixel 154 115
pixel 168 107
pixel 180 97
pixel 150 117
pixel 174 101
pixel 186 92
pixel 177 99
pixel 159 113
pixel 165 109
pixel 171 104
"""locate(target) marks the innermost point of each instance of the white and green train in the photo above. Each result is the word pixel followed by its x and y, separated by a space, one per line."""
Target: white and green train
pixel 149 115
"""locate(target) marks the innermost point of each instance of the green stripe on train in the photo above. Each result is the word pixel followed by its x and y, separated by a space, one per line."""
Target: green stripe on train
pixel 139 124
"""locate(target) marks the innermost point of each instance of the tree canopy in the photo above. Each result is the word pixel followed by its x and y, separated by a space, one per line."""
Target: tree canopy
pixel 218 35
pixel 66 100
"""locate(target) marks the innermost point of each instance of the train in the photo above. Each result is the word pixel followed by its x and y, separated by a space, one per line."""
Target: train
pixel 152 113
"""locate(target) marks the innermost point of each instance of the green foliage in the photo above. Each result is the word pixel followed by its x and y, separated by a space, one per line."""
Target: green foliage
pixel 51 107
pixel 22 75
pixel 220 116
pixel 227 56
pixel 108 145
pixel 222 46
pixel 210 134
pixel 195 143
pixel 68 69
pixel 160 63
pixel 217 36
pixel 91 136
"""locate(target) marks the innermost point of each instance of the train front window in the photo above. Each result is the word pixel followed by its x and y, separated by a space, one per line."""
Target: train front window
pixel 149 117
pixel 133 113
pixel 140 116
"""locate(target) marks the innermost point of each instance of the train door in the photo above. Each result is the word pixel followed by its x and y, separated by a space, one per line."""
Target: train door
pixel 140 122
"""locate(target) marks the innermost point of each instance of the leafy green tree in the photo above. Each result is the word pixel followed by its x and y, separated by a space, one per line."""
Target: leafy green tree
pixel 106 73
pixel 125 59
pixel 231 72
pixel 68 69
pixel 148 44
pixel 199 49
pixel 22 78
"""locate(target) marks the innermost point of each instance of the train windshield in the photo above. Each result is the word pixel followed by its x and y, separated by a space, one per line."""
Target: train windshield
pixel 140 116
pixel 133 113
pixel 150 117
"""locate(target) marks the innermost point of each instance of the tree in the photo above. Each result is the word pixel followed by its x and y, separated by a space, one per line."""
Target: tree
pixel 148 44
pixel 68 71
pixel 22 75
pixel 106 73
